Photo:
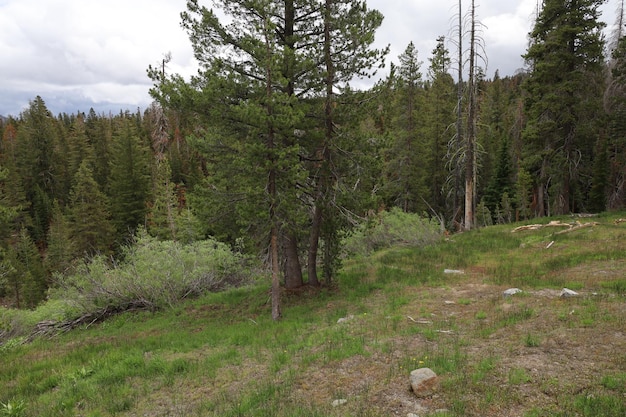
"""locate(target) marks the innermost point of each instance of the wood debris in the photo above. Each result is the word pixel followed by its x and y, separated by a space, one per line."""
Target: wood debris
pixel 570 227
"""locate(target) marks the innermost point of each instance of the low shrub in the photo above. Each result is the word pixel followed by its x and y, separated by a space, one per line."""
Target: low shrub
pixel 392 228
pixel 157 274
pixel 153 275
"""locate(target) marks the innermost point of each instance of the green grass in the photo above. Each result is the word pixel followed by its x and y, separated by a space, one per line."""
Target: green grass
pixel 222 355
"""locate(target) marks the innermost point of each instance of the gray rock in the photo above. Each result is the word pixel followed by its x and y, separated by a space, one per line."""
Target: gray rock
pixel 339 402
pixel 566 292
pixel 511 291
pixel 424 382
pixel 345 319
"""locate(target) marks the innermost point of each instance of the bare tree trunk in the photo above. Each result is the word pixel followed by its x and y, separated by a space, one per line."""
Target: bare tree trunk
pixel 470 149
pixel 459 115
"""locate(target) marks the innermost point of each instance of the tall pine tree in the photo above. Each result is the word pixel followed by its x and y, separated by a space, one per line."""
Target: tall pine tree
pixel 563 100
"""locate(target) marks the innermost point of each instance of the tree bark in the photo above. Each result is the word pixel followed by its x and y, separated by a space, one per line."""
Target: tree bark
pixel 470 151
pixel 314 245
pixel 293 269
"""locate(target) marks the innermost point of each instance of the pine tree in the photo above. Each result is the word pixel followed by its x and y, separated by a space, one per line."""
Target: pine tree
pixel 406 162
pixel 440 107
pixel 90 219
pixel 563 95
pixel 26 277
pixel 35 151
pixel 62 248
pixel 256 92
pixel 129 182
pixel 615 105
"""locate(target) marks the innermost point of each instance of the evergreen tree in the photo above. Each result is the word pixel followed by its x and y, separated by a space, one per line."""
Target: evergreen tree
pixel 35 150
pixel 99 130
pixel 406 162
pixel 164 209
pixel 62 248
pixel 563 95
pixel 439 109
pixel 615 105
pixel 255 96
pixel 129 182
pixel 90 219
pixel 500 182
pixel 26 277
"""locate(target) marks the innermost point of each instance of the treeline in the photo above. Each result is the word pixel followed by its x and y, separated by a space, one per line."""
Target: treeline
pixel 270 151
pixel 75 186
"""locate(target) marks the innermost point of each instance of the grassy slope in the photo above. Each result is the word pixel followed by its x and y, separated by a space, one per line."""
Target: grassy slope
pixel 533 354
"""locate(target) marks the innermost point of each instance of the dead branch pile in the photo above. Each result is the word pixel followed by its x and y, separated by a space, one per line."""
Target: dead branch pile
pixel 51 328
pixel 570 227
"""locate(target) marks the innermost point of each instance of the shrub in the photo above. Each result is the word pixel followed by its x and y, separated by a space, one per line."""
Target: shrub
pixel 392 228
pixel 157 274
pixel 152 275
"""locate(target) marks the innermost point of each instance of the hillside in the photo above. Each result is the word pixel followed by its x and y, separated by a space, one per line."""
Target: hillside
pixel 534 353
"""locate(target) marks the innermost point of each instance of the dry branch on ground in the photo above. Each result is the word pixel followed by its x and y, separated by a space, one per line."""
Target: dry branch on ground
pixel 570 227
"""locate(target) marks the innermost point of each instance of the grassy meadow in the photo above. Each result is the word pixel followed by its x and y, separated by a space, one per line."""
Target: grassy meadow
pixel 531 354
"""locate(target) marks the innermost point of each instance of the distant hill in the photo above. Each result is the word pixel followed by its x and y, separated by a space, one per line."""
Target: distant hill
pixel 2 118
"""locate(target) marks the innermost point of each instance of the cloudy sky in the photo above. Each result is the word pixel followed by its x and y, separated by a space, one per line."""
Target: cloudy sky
pixel 78 54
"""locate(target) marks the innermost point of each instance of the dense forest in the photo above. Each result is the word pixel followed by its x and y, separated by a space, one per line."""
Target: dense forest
pixel 270 150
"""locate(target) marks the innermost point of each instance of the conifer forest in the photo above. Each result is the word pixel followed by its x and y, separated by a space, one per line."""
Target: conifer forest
pixel 271 149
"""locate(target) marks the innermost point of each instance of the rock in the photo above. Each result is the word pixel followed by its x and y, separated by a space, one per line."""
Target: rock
pixel 412 415
pixel 452 271
pixel 345 319
pixel 339 402
pixel 424 382
pixel 566 292
pixel 511 291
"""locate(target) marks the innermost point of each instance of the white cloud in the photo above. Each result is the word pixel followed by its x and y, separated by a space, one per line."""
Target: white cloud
pixel 78 54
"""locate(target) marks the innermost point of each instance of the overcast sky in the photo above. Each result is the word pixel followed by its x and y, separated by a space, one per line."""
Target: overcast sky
pixel 78 54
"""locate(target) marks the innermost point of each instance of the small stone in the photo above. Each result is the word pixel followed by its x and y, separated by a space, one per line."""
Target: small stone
pixel 566 292
pixel 453 271
pixel 424 382
pixel 345 319
pixel 412 415
pixel 511 291
pixel 339 402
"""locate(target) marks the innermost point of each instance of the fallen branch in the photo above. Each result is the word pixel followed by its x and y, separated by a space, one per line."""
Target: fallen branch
pixel 577 227
pixel 556 223
pixel 51 328
pixel 420 321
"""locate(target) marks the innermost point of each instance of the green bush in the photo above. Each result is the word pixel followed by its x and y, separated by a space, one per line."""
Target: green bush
pixel 157 274
pixel 152 275
pixel 392 228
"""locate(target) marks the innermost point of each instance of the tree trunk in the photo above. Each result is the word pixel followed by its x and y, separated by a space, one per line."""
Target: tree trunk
pixel 276 313
pixel 470 156
pixel 314 245
pixel 324 180
pixel 459 119
pixel 293 270
pixel 271 185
